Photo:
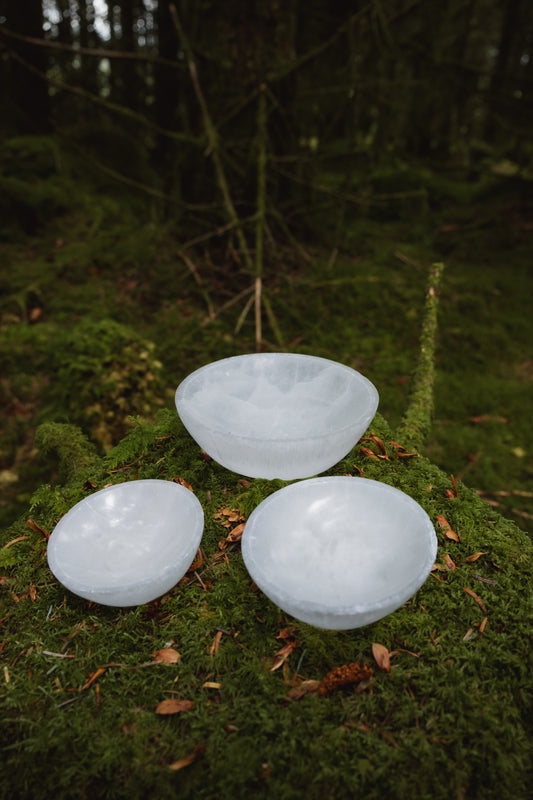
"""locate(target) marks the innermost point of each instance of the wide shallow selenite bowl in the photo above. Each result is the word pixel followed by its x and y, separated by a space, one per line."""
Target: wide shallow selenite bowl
pixel 276 415
pixel 339 552
pixel 127 544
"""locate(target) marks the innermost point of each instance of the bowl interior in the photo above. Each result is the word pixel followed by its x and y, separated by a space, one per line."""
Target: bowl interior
pixel 128 534
pixel 276 395
pixel 339 545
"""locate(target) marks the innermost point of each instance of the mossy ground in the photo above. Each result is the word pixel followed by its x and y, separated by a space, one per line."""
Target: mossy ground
pixel 452 718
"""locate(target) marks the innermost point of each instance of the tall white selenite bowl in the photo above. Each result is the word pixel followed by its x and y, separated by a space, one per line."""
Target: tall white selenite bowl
pixel 127 544
pixel 339 552
pixel 276 415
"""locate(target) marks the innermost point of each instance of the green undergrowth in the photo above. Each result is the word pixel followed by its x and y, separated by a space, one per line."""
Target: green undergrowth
pixel 80 690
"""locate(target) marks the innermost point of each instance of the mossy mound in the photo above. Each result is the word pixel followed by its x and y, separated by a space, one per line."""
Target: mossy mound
pixel 82 684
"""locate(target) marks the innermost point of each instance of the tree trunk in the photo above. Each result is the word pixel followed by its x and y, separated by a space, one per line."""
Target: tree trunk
pixel 28 91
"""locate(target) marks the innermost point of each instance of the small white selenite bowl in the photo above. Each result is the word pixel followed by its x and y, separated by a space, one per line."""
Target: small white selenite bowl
pixel 127 544
pixel 276 415
pixel 339 552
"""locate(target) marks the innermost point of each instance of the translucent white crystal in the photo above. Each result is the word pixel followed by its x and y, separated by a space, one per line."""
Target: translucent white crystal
pixel 276 415
pixel 127 544
pixel 339 552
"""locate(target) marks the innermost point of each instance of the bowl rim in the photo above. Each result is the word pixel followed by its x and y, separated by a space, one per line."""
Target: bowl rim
pixel 283 598
pixel 108 589
pixel 372 393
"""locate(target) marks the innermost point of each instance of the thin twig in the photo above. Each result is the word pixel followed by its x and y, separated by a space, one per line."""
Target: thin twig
pixel 217 231
pixel 261 210
pixel 246 309
pixel 199 282
pixel 274 324
pixel 229 304
pixel 90 51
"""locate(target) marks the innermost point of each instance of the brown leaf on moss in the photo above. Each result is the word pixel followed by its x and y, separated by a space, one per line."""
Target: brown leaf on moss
pixel 447 528
pixel 366 451
pixel 183 482
pixel 449 563
pixel 227 516
pixel 378 442
pixel 37 528
pixel 382 656
pixel 166 656
pixel 213 650
pixel 344 676
pixel 174 706
pixel 93 676
pixel 303 688
pixel 474 557
pixel 198 562
pixel 476 597
pixel 282 654
pixel 286 633
pixel 235 535
pixel 197 751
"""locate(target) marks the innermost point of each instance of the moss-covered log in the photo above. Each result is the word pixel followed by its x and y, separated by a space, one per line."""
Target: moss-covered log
pixel 416 424
pixel 80 683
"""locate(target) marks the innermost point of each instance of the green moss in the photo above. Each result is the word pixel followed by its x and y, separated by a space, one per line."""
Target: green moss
pixel 452 718
pixel 104 372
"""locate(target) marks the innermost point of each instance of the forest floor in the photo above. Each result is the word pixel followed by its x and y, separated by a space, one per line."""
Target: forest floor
pixel 62 359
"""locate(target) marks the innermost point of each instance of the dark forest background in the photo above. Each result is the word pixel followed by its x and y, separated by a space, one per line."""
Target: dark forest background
pixel 331 91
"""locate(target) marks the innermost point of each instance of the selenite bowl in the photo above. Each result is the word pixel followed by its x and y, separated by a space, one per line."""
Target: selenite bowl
pixel 127 544
pixel 276 415
pixel 339 552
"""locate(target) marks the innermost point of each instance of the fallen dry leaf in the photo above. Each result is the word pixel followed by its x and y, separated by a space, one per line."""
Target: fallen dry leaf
pixel 195 753
pixel 93 676
pixel 305 687
pixel 183 482
pixel 286 633
pixel 283 654
pixel 382 656
pixel 474 557
pixel 198 562
pixel 227 516
pixel 37 528
pixel 211 685
pixel 378 442
pixel 366 451
pixel 476 597
pixel 449 563
pixel 213 650
pixel 174 706
pixel 166 656
pixel 447 528
pixel 235 535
